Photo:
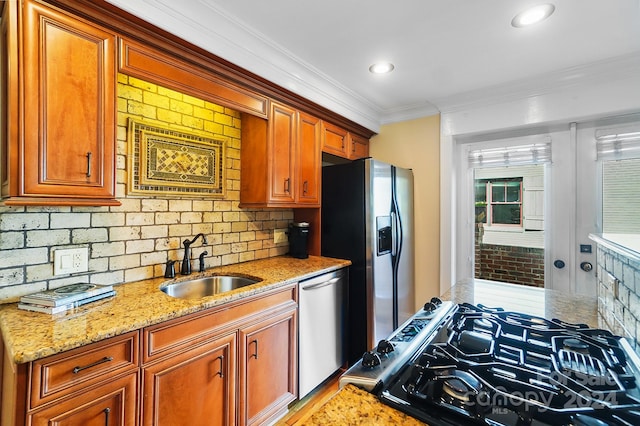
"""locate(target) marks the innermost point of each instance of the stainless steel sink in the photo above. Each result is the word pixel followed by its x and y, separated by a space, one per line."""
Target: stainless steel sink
pixel 206 286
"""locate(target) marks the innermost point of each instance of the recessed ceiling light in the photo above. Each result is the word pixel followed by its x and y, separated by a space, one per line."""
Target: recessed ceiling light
pixel 533 15
pixel 381 67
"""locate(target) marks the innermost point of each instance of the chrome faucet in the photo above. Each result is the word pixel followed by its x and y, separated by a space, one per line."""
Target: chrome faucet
pixel 186 262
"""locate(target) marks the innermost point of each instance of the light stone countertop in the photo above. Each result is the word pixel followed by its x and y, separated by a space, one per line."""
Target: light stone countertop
pixel 32 335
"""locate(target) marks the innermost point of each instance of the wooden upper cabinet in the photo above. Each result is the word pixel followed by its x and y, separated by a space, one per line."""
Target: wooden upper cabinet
pixel 334 140
pixel 358 147
pixel 144 62
pixel 309 160
pixel 282 142
pixel 340 142
pixel 280 159
pixel 67 113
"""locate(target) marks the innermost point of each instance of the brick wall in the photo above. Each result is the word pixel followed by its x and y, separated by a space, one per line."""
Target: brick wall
pixel 511 264
pixel 618 287
pixel 133 241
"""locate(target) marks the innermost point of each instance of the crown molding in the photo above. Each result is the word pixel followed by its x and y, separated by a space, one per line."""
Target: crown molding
pixel 234 41
pixel 241 45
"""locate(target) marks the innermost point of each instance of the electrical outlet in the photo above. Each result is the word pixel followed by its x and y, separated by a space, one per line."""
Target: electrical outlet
pixel 69 261
pixel 280 236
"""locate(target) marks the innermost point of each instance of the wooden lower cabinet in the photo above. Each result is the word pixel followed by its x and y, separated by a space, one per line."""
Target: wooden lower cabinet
pixel 268 381
pixel 194 388
pixel 111 404
pixel 235 364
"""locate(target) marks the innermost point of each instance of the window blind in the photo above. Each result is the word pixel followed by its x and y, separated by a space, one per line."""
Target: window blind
pixel 618 146
pixel 520 155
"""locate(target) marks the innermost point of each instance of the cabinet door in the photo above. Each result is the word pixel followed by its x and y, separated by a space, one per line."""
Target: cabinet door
pixel 112 404
pixel 309 160
pixel 358 147
pixel 194 388
pixel 69 106
pixel 268 367
pixel 334 140
pixel 282 137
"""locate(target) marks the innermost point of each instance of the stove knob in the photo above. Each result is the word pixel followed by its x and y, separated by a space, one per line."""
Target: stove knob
pixel 436 301
pixel 370 359
pixel 384 347
pixel 430 307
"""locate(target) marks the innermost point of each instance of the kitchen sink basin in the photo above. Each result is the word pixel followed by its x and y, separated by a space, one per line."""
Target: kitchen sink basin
pixel 206 286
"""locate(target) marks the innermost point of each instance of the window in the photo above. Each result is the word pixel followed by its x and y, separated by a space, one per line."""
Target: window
pixel 499 201
pixel 619 155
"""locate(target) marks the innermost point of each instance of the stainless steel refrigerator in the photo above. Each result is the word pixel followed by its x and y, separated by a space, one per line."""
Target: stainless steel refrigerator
pixel 367 217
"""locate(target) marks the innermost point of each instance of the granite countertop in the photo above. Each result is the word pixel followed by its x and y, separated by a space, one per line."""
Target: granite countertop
pixel 32 335
pixel 354 406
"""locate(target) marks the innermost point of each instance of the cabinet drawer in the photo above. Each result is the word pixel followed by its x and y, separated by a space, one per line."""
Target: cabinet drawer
pixel 163 339
pixel 64 373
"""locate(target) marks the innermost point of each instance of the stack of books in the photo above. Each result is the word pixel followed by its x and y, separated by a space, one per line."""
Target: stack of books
pixel 65 298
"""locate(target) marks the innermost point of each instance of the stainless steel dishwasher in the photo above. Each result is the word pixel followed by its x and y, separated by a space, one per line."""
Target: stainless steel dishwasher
pixel 321 331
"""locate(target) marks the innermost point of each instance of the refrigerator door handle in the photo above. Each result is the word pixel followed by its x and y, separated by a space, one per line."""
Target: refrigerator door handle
pixel 394 234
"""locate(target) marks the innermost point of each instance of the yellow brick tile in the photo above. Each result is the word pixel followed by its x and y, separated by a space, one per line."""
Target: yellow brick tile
pixel 122 105
pixel 169 116
pixel 237 122
pixel 235 194
pixel 123 78
pixel 192 122
pixel 232 132
pixel 144 85
pixel 138 108
pixel 214 107
pixel 169 93
pixel 121 133
pixel 128 92
pixel 193 101
pixel 214 128
pixel 205 114
pixel 223 119
pixel 232 112
pixel 233 153
pixel 122 118
pixel 233 174
pixel 154 99
pixel 181 107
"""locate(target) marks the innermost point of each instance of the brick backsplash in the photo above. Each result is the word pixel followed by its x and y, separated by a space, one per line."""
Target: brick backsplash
pixel 132 241
pixel 618 293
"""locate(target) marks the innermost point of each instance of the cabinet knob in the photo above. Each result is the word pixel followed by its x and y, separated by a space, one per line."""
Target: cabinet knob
pixel 286 184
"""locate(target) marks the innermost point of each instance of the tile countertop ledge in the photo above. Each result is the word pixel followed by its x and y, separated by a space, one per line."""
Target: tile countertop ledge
pixel 32 335
pixel 626 244
pixel 549 304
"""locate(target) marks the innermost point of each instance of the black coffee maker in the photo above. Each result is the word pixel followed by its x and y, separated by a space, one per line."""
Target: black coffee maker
pixel 298 237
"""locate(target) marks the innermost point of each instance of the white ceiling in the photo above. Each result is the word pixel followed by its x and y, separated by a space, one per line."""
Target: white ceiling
pixel 447 53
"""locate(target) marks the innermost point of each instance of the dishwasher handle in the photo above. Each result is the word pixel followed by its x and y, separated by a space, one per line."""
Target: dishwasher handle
pixel 322 284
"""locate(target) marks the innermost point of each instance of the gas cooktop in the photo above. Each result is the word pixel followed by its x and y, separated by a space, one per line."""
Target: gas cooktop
pixel 478 365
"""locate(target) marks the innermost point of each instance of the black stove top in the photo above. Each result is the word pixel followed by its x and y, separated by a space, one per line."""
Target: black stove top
pixel 492 367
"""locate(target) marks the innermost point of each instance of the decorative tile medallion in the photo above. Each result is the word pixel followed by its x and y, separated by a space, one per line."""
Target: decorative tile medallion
pixel 171 162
